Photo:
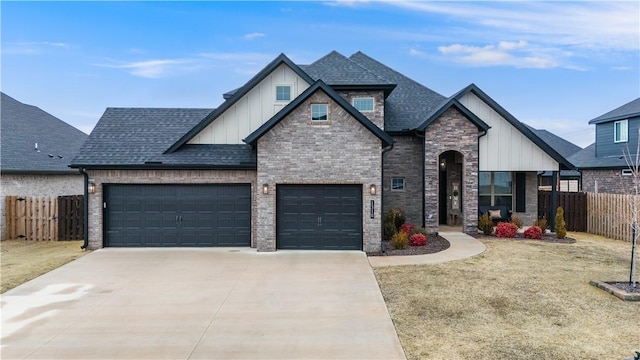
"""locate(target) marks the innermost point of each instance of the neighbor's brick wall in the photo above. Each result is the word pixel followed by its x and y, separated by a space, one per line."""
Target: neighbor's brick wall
pixel 37 185
pixel 296 151
pixel 404 160
pixel 452 131
pixel 101 177
pixel 609 181
pixel 377 115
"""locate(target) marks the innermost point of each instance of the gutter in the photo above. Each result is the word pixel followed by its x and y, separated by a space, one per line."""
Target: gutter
pixel 85 200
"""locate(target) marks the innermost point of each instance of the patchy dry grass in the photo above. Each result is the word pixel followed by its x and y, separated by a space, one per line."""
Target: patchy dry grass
pixel 24 260
pixel 519 300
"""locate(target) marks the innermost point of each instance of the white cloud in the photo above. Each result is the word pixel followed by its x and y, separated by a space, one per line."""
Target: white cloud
pixel 518 54
pixel 32 47
pixel 150 68
pixel 253 36
pixel 347 3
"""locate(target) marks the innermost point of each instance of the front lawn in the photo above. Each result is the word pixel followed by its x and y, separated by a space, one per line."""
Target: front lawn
pixel 24 260
pixel 521 299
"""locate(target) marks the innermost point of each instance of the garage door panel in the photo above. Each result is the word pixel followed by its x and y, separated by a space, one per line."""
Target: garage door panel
pixel 178 215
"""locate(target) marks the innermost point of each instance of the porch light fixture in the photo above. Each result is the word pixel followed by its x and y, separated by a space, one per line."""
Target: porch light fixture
pixel 372 189
pixel 91 187
pixel 265 189
pixel 443 164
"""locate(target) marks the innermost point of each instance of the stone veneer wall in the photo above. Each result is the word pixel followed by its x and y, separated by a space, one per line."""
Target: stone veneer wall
pixel 297 151
pixel 452 131
pixel 531 201
pixel 609 181
pixel 404 160
pixel 101 177
pixel 37 185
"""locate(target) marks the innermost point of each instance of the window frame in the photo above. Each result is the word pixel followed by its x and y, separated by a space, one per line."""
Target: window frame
pixel 627 172
pixel 624 126
pixel 283 86
pixel 311 112
pixel 492 189
pixel 373 103
pixel 402 179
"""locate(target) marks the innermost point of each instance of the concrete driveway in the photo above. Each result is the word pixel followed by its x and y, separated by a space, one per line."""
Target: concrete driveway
pixel 201 304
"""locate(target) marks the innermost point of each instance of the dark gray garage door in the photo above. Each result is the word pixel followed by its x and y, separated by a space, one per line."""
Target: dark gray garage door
pixel 323 217
pixel 177 215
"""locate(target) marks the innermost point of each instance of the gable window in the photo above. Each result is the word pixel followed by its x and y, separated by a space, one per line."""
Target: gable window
pixel 397 184
pixel 496 189
pixel 363 104
pixel 621 131
pixel 319 112
pixel 283 93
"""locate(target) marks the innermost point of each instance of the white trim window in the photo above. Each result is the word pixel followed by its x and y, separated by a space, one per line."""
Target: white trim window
pixel 496 189
pixel 319 112
pixel 283 92
pixel 627 172
pixel 621 131
pixel 363 104
pixel 397 184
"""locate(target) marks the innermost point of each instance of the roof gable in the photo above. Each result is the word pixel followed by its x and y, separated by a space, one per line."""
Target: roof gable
pixel 630 109
pixel 24 126
pixel 472 88
pixel 481 125
pixel 318 85
pixel 237 95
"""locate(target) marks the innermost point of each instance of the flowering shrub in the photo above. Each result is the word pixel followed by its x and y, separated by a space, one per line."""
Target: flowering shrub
pixel 533 232
pixel 399 240
pixel 506 230
pixel 406 228
pixel 417 240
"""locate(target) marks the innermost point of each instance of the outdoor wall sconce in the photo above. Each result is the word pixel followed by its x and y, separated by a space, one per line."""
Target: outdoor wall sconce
pixel 265 189
pixel 443 164
pixel 372 189
pixel 91 187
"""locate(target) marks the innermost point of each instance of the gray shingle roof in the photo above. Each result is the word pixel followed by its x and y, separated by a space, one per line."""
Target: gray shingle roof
pixel 562 146
pixel 629 109
pixel 22 126
pixel 586 159
pixel 138 137
pixel 336 69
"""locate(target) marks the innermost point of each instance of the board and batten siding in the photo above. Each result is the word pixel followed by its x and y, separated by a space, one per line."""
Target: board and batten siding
pixel 505 148
pixel 253 110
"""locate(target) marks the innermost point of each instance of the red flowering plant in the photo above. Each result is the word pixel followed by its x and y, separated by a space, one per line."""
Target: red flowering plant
pixel 506 230
pixel 406 228
pixel 418 239
pixel 533 232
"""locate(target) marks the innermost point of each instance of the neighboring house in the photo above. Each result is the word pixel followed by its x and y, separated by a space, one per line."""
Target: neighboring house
pixel 309 157
pixel 602 163
pixel 36 150
pixel 569 180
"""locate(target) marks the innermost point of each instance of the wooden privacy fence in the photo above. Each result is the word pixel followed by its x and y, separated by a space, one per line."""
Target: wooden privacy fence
pixel 574 205
pixel 44 218
pixel 610 215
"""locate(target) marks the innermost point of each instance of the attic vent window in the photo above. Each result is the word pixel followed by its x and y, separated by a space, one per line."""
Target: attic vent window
pixel 319 112
pixel 283 93
pixel 363 104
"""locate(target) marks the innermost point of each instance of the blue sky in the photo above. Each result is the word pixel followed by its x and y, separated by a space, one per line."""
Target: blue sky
pixel 554 65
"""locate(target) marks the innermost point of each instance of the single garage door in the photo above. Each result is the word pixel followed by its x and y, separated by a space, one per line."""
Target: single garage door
pixel 322 217
pixel 177 215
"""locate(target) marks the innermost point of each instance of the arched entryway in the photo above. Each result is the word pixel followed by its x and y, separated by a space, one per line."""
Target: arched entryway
pixel 450 189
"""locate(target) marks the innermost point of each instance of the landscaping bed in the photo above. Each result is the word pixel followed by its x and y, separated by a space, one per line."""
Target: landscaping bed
pixel 435 243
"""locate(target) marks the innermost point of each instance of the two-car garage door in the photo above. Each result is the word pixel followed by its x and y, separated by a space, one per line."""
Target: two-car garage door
pixel 177 215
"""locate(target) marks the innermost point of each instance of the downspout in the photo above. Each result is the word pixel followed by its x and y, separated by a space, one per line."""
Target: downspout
pixel 85 200
pixel 384 151
pixel 424 208
pixel 484 132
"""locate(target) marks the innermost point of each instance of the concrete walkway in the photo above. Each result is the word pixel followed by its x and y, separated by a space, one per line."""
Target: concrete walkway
pixel 201 304
pixel 462 246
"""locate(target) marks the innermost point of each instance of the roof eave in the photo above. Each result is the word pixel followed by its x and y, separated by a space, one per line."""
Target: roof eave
pixel 155 166
pixel 40 172
pixel 386 88
pixel 614 118
pixel 481 125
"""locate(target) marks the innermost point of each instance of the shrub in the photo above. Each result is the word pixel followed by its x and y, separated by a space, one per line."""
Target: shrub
pixel 485 224
pixel 561 226
pixel 542 224
pixel 419 230
pixel 533 232
pixel 417 240
pixel 399 218
pixel 389 224
pixel 515 220
pixel 506 230
pixel 399 240
pixel 407 228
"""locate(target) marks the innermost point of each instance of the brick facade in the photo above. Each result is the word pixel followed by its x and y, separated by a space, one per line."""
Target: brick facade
pixel 377 116
pixel 452 132
pixel 610 181
pixel 297 151
pixel 101 177
pixel 37 185
pixel 404 161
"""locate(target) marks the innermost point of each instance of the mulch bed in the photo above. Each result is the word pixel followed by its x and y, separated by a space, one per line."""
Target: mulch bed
pixel 435 243
pixel 546 238
pixel 627 286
